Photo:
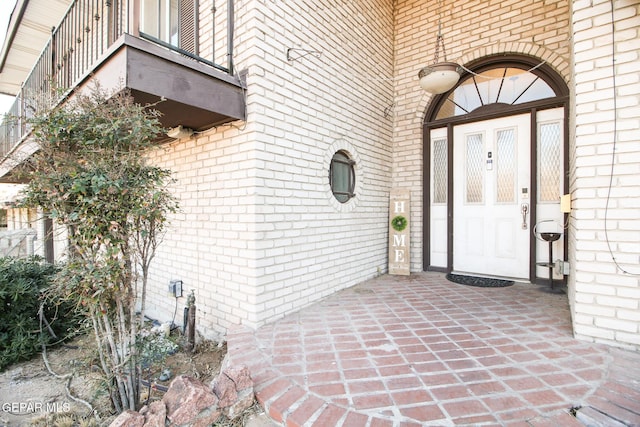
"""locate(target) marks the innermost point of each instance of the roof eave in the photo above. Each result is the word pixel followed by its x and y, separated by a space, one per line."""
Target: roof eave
pixel 12 29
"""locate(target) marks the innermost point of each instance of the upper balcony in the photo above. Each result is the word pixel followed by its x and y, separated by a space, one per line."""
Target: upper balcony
pixel 178 51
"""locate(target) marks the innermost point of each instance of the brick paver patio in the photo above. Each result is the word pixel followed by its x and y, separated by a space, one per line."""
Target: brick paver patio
pixel 420 350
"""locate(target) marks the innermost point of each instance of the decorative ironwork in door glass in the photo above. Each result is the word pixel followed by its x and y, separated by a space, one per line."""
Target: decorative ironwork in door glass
pixel 474 168
pixel 505 161
pixel 549 162
pixel 440 171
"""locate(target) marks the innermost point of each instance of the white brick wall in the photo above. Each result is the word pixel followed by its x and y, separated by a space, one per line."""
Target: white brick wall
pixel 260 234
pixel 606 244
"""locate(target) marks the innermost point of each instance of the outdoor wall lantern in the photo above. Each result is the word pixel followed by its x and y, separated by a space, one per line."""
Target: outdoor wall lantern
pixel 440 76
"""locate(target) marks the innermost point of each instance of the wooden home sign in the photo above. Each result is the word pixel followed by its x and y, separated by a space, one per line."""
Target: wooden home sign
pixel 399 214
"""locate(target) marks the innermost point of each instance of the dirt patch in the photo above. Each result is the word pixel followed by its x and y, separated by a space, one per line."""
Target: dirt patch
pixel 30 395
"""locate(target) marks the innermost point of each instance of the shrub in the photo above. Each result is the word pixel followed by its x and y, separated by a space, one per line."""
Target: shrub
pixel 91 175
pixel 23 286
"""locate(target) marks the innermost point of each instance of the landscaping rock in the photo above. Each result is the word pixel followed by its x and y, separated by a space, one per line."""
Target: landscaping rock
pixel 155 414
pixel 240 376
pixel 190 403
pixel 245 401
pixel 234 388
pixel 225 389
pixel 128 419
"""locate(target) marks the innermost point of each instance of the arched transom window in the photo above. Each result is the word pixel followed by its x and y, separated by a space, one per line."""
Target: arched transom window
pixel 504 85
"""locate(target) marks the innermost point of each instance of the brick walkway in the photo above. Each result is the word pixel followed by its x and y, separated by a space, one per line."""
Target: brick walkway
pixel 419 350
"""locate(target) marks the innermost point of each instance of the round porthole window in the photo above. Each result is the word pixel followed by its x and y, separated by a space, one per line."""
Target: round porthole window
pixel 342 176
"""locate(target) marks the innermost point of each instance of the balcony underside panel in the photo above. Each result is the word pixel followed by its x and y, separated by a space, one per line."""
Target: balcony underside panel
pixel 195 95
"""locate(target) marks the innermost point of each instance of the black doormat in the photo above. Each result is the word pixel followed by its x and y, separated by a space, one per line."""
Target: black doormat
pixel 482 282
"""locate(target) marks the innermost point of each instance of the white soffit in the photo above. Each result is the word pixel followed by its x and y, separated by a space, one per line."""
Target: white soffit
pixel 27 36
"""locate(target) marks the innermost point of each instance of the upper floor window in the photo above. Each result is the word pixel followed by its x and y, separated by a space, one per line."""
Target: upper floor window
pixel 171 21
pixel 160 20
pixel 502 85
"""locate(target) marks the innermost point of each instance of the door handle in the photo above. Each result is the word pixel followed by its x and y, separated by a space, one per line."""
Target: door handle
pixel 524 210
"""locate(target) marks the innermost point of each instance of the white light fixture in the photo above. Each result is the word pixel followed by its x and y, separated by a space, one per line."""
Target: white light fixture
pixel 179 132
pixel 441 76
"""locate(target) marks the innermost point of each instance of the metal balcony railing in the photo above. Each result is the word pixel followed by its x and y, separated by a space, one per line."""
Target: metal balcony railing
pixel 85 37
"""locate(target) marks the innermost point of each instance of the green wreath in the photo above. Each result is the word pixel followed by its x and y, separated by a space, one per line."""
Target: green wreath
pixel 399 223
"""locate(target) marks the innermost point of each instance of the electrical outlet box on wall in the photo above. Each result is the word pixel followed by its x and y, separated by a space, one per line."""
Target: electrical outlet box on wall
pixel 175 288
pixel 562 267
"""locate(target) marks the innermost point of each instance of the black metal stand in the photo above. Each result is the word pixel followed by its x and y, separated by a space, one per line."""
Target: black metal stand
pixel 550 237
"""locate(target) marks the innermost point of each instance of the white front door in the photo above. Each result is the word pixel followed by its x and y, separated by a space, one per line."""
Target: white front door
pixel 491 205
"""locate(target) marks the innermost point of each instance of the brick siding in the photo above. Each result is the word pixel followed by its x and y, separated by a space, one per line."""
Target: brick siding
pixel 260 233
pixel 605 223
